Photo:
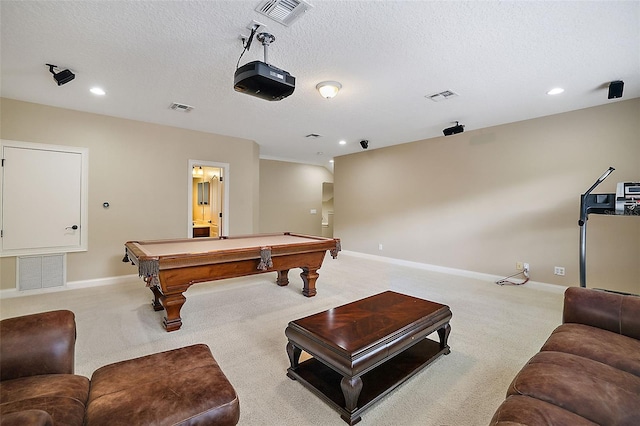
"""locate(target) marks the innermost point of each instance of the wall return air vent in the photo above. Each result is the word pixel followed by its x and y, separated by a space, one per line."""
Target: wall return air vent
pixel 285 12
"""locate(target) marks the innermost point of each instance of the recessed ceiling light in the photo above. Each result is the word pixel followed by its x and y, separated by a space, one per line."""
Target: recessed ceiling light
pixel 555 91
pixel 342 142
pixel 97 91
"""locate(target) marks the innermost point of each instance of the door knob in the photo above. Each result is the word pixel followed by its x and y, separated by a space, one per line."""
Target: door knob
pixel 74 227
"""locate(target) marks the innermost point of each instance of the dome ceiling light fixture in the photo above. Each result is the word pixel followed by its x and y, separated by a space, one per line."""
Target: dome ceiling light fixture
pixel 328 89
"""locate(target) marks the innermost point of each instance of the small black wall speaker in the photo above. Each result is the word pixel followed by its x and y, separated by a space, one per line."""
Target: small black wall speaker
pixel 615 89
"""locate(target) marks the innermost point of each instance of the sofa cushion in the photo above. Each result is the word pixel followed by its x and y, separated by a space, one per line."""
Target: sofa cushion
pixel 588 388
pixel 519 410
pixel 63 396
pixel 183 386
pixel 27 418
pixel 597 344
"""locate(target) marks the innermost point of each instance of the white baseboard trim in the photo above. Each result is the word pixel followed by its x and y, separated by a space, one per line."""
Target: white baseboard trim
pixel 452 271
pixel 70 285
pixel 73 285
pixel 103 281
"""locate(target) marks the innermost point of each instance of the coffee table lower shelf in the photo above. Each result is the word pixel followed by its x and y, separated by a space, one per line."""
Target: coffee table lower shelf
pixel 376 383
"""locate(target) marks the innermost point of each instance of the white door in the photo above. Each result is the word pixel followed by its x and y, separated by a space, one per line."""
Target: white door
pixel 42 199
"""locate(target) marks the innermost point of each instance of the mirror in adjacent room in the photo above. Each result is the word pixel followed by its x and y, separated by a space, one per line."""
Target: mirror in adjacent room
pixel 207 201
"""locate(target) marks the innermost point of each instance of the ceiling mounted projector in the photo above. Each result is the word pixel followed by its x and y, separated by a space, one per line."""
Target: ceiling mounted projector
pixel 458 128
pixel 262 80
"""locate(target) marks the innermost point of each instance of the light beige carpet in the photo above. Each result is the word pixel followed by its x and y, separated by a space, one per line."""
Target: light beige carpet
pixel 494 331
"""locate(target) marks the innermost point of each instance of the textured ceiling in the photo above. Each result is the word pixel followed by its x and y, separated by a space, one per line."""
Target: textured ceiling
pixel 501 58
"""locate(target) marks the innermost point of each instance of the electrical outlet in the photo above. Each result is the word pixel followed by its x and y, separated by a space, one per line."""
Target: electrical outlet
pixel 558 270
pixel 525 267
pixel 255 25
pixel 380 246
pixel 519 266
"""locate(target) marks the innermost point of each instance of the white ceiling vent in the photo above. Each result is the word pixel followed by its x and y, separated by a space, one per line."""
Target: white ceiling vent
pixel 437 97
pixel 180 107
pixel 285 12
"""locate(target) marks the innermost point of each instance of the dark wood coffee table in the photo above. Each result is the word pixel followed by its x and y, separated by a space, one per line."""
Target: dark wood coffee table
pixel 365 349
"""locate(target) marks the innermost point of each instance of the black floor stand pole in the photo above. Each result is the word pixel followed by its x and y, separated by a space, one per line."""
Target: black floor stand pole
pixel 582 222
pixel 583 254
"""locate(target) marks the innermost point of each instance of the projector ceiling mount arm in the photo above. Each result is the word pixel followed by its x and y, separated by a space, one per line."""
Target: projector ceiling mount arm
pixel 266 39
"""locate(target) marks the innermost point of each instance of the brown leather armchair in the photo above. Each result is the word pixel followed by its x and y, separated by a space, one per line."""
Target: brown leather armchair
pixel 37 384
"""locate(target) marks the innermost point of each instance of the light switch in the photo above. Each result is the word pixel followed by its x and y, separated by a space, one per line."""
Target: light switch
pixel 313 211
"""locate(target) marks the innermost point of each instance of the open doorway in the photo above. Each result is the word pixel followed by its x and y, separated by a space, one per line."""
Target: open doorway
pixel 208 199
pixel 327 209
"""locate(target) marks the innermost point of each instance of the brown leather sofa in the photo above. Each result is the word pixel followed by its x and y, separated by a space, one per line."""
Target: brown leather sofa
pixel 38 385
pixel 588 370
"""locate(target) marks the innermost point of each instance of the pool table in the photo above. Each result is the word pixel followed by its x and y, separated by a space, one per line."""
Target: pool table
pixel 170 267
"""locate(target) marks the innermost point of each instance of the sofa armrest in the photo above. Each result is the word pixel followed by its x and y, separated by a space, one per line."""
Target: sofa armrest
pixel 615 312
pixel 36 344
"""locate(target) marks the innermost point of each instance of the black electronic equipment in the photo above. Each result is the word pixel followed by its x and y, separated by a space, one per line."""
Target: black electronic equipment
pixel 62 77
pixel 615 89
pixel 458 128
pixel 261 79
pixel 264 81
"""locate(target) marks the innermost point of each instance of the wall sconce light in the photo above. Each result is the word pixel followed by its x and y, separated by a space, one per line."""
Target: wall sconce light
pixel 328 89
pixel 61 77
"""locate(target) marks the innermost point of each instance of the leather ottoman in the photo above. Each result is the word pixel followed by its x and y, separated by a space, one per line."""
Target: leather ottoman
pixel 182 386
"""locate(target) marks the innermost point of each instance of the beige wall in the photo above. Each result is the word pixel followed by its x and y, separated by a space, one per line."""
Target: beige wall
pixel 141 170
pixel 288 192
pixel 485 199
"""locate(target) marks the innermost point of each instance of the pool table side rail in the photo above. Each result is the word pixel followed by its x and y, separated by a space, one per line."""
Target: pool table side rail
pixel 151 265
pixel 237 237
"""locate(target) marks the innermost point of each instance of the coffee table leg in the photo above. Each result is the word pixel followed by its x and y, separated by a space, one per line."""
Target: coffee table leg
pixel 294 355
pixel 351 387
pixel 443 333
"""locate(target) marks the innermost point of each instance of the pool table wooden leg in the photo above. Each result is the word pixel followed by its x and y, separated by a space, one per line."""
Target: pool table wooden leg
pixel 309 277
pixel 172 304
pixel 157 306
pixel 283 277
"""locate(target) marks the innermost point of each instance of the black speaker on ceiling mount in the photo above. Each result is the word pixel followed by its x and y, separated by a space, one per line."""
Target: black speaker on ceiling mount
pixel 615 89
